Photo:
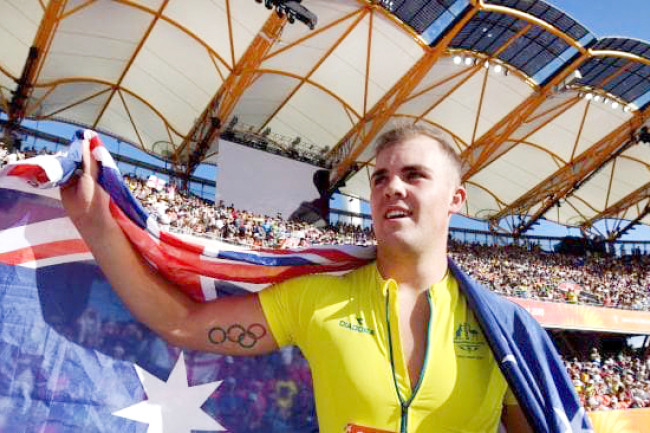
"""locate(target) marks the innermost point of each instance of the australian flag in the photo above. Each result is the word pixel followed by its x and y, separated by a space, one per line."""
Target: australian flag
pixel 72 359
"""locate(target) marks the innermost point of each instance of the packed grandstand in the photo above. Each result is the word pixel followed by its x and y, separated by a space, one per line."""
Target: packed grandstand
pixel 518 86
pixel 611 379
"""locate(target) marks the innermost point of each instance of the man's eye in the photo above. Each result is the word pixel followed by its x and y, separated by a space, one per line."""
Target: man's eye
pixel 378 180
pixel 414 175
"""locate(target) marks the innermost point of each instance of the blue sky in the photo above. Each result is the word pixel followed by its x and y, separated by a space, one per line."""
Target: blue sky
pixel 630 18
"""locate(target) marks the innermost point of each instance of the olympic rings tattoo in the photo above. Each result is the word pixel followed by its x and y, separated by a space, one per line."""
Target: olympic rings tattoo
pixel 245 337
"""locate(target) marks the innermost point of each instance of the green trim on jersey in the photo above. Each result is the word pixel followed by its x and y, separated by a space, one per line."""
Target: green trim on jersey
pixel 348 329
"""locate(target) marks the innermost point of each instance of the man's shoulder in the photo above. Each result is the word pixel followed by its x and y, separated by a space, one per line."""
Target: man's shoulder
pixel 481 298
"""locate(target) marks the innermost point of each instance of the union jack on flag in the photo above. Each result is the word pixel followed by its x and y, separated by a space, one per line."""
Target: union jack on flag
pixel 73 359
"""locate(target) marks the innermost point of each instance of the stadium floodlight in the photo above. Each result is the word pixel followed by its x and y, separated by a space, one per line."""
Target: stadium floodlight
pixel 589 96
pixel 614 105
pixel 469 61
pixel 598 98
pixel 498 69
pixel 293 10
pixel 627 108
pixel 458 60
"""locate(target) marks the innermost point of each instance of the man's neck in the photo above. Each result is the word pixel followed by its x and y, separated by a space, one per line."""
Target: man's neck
pixel 413 271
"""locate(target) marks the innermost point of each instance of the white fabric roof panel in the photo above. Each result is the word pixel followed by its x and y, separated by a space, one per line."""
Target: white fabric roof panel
pixel 150 126
pixel 63 101
pixel 630 174
pixel 392 52
pixel 19 22
pixel 502 95
pixel 116 118
pixel 85 47
pixel 601 120
pixel 512 175
pixel 481 203
pixel 305 109
pixel 559 135
pixel 150 75
pixel 208 21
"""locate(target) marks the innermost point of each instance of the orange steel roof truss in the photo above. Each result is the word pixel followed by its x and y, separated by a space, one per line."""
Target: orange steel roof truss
pixel 296 61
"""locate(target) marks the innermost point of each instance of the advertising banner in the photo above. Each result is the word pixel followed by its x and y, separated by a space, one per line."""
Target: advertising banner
pixel 584 317
pixel 621 421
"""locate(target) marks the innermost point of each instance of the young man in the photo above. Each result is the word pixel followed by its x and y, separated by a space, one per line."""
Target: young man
pixel 393 346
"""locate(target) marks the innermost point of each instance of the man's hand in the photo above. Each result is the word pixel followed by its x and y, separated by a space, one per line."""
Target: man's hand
pixel 84 200
pixel 232 325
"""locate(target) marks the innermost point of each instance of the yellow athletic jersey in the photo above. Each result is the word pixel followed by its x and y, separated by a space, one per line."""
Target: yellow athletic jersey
pixel 348 329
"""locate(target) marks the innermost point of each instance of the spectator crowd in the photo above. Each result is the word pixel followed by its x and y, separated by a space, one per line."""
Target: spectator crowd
pixel 510 270
pixel 620 282
pixel 618 381
pixel 265 400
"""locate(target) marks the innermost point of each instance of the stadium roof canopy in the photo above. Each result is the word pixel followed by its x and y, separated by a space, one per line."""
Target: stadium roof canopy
pixel 545 115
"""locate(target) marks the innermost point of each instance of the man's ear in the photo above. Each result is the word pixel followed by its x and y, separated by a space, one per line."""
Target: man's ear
pixel 458 199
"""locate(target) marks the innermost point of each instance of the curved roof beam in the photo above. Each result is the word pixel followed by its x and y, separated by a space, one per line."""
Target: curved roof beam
pixel 434 124
pixel 182 28
pixel 568 179
pixel 488 7
pixel 314 33
pixel 60 81
pixel 315 84
pixel 307 76
pixel 135 53
pixel 8 74
pixel 491 144
pixel 364 132
pixel 495 142
pixel 208 127
pixel 34 62
pixel 618 210
pixel 500 202
pixel 353 143
pixel 72 104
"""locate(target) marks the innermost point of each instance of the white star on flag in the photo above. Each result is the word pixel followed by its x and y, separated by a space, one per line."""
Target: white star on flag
pixel 172 406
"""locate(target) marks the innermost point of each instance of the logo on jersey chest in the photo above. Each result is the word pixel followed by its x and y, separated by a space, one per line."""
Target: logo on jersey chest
pixel 357 327
pixel 469 341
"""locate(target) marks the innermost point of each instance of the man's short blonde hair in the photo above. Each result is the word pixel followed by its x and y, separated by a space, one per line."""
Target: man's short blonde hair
pixel 402 133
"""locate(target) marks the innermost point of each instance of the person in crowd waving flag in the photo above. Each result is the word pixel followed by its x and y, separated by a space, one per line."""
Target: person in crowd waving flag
pixel 404 343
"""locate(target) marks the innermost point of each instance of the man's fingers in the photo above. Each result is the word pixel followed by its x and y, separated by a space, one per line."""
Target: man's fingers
pixel 89 164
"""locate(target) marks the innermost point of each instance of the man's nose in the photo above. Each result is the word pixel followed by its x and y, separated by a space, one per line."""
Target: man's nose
pixel 394 187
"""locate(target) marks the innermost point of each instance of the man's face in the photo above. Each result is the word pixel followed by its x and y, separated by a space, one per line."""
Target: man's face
pixel 413 193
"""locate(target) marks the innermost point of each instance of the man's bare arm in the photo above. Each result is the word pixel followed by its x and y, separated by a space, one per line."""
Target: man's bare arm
pixel 234 325
pixel 514 419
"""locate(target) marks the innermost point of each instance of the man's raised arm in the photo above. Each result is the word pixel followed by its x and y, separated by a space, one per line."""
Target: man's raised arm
pixel 234 325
